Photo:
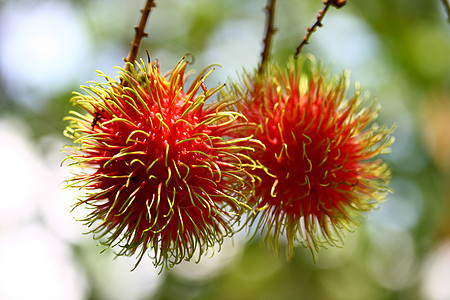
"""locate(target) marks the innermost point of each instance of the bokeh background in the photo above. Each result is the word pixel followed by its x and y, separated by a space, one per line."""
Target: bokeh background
pixel 399 50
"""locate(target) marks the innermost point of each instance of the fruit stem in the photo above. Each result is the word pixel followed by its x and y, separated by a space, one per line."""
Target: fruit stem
pixel 140 33
pixel 318 23
pixel 270 31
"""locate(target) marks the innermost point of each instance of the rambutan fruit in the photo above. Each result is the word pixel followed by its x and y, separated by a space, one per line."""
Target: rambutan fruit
pixel 318 172
pixel 158 167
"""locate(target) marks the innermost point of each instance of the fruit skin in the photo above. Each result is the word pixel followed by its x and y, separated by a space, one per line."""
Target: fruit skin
pixel 157 166
pixel 318 173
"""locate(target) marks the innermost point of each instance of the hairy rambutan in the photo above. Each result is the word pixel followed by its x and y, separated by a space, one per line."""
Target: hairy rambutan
pixel 158 167
pixel 317 172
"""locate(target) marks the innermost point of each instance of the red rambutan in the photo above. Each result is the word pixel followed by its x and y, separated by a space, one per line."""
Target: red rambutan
pixel 158 167
pixel 317 171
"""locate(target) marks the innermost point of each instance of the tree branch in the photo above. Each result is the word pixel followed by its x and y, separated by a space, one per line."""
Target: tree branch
pixel 270 31
pixel 318 23
pixel 140 33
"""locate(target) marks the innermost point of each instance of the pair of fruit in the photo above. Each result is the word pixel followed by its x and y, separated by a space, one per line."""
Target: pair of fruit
pixel 283 152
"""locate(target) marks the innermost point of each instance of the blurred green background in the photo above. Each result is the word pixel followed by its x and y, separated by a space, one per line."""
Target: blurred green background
pixel 399 50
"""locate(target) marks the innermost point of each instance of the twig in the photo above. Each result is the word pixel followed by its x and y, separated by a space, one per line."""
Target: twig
pixel 447 8
pixel 140 33
pixel 318 23
pixel 270 31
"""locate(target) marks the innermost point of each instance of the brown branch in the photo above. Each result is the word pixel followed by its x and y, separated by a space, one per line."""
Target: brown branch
pixel 140 33
pixel 270 31
pixel 318 23
pixel 447 8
